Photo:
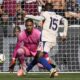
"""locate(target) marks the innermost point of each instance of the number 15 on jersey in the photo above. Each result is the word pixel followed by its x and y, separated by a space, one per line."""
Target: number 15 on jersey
pixel 53 23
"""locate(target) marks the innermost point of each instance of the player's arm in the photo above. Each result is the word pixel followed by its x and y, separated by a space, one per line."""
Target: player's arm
pixel 36 19
pixel 65 22
pixel 64 34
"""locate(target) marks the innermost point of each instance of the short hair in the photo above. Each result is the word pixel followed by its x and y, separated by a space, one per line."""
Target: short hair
pixel 48 6
pixel 29 20
pixel 16 28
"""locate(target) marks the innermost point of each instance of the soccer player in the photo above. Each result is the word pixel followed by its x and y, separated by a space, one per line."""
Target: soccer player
pixel 49 34
pixel 26 45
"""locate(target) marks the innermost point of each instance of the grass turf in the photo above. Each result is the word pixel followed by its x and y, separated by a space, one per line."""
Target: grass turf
pixel 41 76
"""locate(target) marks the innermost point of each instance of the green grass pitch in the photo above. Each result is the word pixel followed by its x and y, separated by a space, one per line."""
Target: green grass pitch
pixel 41 76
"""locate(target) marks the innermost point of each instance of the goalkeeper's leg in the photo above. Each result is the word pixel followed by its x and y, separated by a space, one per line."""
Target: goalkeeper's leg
pixel 21 58
pixel 32 64
pixel 44 62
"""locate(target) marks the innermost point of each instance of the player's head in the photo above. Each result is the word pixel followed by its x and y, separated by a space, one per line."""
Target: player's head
pixel 16 30
pixel 29 24
pixel 48 7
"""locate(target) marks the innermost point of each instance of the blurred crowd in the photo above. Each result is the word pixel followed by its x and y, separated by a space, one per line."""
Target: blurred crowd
pixel 12 12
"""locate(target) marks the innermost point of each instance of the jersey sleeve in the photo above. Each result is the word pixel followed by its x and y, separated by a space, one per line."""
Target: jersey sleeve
pixel 36 19
pixel 44 14
pixel 65 23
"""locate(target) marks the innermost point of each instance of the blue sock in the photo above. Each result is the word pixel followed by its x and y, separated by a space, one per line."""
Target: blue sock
pixel 45 63
pixel 31 65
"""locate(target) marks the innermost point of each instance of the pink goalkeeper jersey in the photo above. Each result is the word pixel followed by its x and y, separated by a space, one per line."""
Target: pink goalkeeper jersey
pixel 29 41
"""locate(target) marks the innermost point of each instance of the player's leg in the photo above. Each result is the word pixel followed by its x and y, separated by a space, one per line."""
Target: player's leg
pixel 32 64
pixel 42 60
pixel 39 59
pixel 46 49
pixel 50 61
pixel 51 45
pixel 21 54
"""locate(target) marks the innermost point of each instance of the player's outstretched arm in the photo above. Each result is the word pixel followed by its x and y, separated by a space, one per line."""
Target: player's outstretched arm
pixel 36 19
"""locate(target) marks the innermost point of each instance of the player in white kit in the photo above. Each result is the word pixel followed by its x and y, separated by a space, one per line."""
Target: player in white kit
pixel 50 31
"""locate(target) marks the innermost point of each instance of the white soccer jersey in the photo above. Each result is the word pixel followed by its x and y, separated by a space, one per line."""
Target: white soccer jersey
pixel 50 26
pixel 50 29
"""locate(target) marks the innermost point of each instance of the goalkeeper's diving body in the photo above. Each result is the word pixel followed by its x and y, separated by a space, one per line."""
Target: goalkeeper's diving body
pixel 48 35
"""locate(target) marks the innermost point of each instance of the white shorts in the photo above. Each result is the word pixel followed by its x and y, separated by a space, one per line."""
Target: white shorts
pixel 45 46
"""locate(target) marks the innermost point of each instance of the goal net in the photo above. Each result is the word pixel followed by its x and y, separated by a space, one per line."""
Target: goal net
pixel 66 55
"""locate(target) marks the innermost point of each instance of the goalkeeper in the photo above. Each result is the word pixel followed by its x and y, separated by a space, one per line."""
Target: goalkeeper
pixel 26 45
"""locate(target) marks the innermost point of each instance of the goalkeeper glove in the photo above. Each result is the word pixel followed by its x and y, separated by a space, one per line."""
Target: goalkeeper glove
pixel 12 64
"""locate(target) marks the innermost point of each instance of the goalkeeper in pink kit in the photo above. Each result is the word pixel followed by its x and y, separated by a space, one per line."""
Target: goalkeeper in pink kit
pixel 26 45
